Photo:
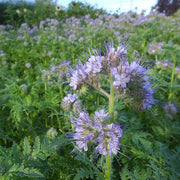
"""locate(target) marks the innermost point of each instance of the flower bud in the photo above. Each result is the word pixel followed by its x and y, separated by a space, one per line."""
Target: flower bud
pixel 25 89
pixel 51 133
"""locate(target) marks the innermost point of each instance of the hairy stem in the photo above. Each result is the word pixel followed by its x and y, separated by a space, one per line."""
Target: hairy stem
pixel 111 103
pixel 120 96
pixel 61 91
pixel 99 89
pixel 108 167
pixel 111 113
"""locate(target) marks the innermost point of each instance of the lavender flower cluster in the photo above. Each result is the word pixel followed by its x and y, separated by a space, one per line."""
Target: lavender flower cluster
pixel 155 48
pixel 134 79
pixel 83 73
pixel 167 64
pixel 56 73
pixel 170 109
pixel 106 137
pixel 71 102
pixel 130 78
pixel 2 53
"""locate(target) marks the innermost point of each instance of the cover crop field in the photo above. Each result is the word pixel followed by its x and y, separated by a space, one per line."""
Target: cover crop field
pixel 91 98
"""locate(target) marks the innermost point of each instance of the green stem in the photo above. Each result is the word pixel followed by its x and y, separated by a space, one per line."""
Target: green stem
pixel 108 167
pixel 111 103
pixel 99 89
pixel 45 87
pixel 172 79
pixel 111 113
pixel 61 91
pixel 59 123
pixel 156 58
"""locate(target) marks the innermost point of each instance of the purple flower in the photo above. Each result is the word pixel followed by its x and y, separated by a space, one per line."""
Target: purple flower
pixel 121 80
pixel 70 98
pixel 101 148
pixel 75 79
pixel 72 37
pixel 121 75
pixel 28 65
pixel 114 55
pixel 93 65
pixel 133 77
pixel 71 103
pixel 98 126
pixel 170 108
pixel 100 115
pixel 78 76
pixel 105 137
pixel 2 53
pixel 83 129
pixel 108 141
pixel 26 43
pixel 155 48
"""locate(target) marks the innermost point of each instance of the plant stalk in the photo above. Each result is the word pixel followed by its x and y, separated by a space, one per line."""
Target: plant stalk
pixel 108 167
pixel 111 103
pixel 111 113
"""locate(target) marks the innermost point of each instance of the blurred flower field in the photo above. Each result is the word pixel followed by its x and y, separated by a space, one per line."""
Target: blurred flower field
pixel 61 119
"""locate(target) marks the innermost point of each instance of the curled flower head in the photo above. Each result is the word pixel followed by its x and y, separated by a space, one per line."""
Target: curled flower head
pixel 113 55
pixel 52 133
pixel 132 79
pixel 71 102
pixel 108 140
pixel 83 130
pixel 129 79
pixel 87 72
pixel 106 137
pixel 100 115
pixel 94 65
pixel 171 108
pixel 70 98
pixel 121 75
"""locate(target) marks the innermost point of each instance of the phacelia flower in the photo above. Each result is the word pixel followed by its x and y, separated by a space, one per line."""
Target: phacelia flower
pixel 133 80
pixel 83 131
pixel 83 73
pixel 130 79
pixel 70 98
pixel 100 115
pixel 71 102
pixel 113 56
pixel 155 48
pixel 164 64
pixel 106 137
pixel 93 65
pixel 170 108
pixel 28 65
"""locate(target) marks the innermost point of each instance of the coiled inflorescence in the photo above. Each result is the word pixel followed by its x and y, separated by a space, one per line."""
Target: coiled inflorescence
pixel 130 79
pixel 106 137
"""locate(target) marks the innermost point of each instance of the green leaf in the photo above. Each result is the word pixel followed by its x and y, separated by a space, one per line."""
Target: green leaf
pixel 27 147
pixel 20 170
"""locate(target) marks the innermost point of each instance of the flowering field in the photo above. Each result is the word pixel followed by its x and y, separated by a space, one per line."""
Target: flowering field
pixel 85 98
